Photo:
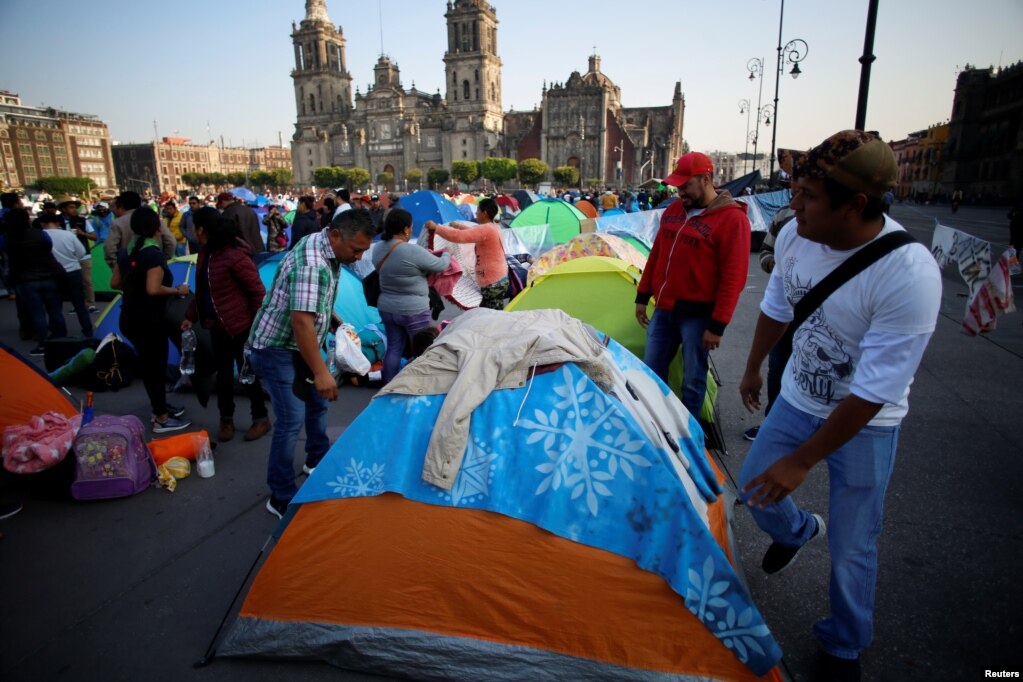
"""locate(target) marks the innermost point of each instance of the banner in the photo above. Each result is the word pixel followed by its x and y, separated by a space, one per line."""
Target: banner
pixel 989 284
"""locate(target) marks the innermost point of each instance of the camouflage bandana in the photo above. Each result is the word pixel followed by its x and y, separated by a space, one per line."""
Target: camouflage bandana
pixel 861 161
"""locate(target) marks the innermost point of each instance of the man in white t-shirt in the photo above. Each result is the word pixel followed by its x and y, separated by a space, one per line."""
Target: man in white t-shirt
pixel 69 252
pixel 846 385
pixel 344 199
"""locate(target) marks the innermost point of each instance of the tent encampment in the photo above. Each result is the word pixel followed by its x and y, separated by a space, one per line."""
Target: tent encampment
pixel 525 197
pixel 587 208
pixel 585 534
pixel 562 217
pixel 26 391
pixel 601 291
pixel 426 205
pixel 587 244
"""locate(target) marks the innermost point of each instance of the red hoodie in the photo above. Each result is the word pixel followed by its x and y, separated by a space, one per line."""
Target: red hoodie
pixel 698 266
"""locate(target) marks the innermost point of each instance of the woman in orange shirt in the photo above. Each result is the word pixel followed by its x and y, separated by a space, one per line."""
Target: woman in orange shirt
pixel 491 266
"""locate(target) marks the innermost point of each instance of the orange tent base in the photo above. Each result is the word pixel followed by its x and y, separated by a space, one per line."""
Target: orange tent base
pixel 389 563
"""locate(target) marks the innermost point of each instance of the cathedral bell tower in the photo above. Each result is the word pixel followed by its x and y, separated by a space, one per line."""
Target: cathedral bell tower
pixel 473 80
pixel 323 88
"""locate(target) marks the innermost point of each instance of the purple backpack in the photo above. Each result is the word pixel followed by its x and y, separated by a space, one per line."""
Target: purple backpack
pixel 112 459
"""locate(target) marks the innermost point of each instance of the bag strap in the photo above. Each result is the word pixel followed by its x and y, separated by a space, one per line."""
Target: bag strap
pixel 387 255
pixel 849 268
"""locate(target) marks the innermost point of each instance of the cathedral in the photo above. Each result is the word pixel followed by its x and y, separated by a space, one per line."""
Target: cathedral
pixel 390 129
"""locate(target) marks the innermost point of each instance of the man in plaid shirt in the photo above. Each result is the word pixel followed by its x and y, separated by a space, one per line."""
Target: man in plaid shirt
pixel 287 335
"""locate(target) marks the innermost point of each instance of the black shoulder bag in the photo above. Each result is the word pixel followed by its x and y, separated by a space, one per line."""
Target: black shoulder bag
pixel 849 268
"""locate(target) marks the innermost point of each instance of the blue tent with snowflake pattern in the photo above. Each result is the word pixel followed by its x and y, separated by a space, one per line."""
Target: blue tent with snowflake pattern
pixel 585 534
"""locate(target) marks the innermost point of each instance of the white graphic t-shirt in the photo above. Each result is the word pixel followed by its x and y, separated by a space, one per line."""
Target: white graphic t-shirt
pixel 867 338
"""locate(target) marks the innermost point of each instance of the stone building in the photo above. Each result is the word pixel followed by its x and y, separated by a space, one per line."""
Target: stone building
pixel 158 166
pixel 39 142
pixel 920 159
pixel 984 155
pixel 391 129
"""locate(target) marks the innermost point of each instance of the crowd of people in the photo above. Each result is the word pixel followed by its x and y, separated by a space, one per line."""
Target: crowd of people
pixel 838 382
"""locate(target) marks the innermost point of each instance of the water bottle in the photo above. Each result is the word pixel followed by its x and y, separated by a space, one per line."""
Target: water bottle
pixel 87 413
pixel 245 375
pixel 332 355
pixel 188 343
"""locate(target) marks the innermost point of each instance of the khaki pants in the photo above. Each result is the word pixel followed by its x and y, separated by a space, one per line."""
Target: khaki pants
pixel 90 293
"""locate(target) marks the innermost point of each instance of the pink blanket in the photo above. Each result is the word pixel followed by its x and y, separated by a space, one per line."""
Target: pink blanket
pixel 40 444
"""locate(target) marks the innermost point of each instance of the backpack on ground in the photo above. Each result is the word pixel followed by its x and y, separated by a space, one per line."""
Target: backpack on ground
pixel 112 459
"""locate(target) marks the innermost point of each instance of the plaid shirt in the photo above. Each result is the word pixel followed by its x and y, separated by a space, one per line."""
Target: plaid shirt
pixel 306 280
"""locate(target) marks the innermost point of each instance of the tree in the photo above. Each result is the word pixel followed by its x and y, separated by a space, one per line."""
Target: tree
pixel 532 171
pixel 238 179
pixel 218 180
pixel 386 180
pixel 498 169
pixel 566 176
pixel 415 176
pixel 65 184
pixel 594 182
pixel 261 178
pixel 436 177
pixel 283 177
pixel 191 179
pixel 357 177
pixel 330 176
pixel 466 172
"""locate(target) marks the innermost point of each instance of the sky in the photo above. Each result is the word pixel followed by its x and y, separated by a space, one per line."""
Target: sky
pixel 203 69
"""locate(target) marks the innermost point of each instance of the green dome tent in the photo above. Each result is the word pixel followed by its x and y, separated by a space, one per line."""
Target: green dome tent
pixel 562 218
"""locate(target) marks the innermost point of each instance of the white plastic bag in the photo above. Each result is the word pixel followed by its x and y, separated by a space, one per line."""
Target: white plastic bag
pixel 348 351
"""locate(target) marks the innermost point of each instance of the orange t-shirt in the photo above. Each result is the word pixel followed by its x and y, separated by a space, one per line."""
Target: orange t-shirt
pixel 490 263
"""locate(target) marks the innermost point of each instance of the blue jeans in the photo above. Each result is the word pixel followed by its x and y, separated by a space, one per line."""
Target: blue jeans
pixel 277 373
pixel 400 329
pixel 43 304
pixel 663 336
pixel 858 472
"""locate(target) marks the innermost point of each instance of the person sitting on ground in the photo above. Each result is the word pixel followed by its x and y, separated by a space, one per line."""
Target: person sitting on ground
pixel 142 275
pixel 228 293
pixel 404 302
pixel 491 266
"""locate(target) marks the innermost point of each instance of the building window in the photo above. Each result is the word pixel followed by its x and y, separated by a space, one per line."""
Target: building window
pixel 25 149
pixel 22 134
pixel 57 137
pixel 465 89
pixel 40 135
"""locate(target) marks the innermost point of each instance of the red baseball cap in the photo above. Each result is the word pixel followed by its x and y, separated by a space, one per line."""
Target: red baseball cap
pixel 693 163
pixel 225 196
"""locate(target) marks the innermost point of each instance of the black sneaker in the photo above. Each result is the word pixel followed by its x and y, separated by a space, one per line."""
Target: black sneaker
pixel 174 410
pixel 751 433
pixel 276 507
pixel 38 351
pixel 779 557
pixel 9 510
pixel 834 669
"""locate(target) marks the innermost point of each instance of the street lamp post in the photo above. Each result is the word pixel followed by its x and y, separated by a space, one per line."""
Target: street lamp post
pixel 755 66
pixel 792 52
pixel 744 108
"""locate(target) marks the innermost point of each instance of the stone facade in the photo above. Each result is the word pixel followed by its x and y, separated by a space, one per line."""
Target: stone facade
pixel 39 142
pixel 158 166
pixel 390 129
pixel 984 154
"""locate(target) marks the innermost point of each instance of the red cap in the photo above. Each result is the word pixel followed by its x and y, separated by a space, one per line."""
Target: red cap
pixel 225 196
pixel 693 163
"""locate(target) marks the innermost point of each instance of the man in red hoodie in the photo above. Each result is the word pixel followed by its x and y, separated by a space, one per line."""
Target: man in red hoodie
pixel 696 270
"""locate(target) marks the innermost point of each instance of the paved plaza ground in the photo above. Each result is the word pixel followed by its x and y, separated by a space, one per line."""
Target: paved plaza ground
pixel 133 589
